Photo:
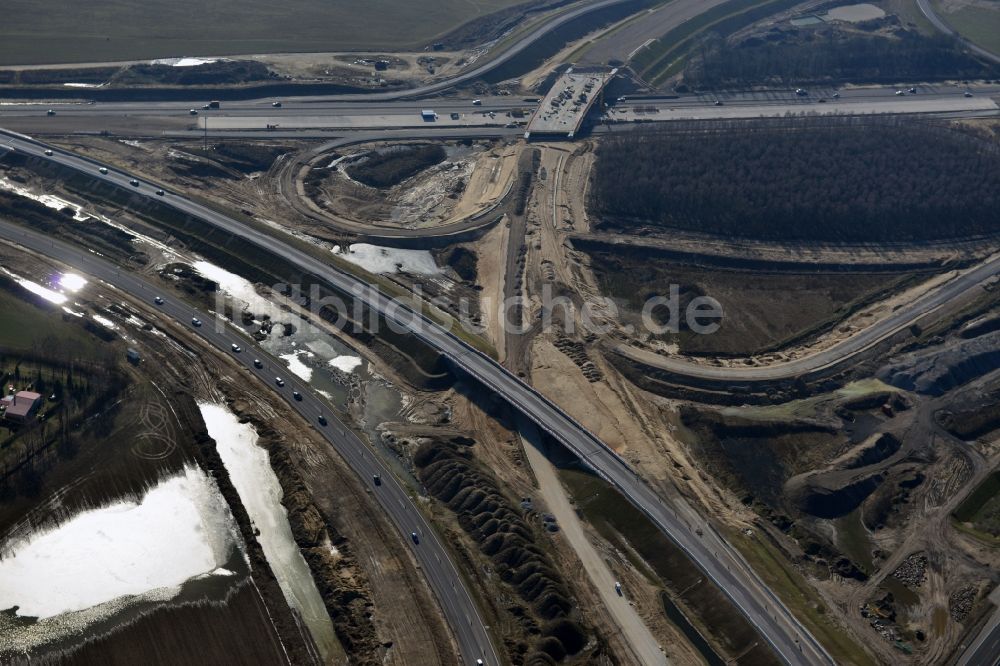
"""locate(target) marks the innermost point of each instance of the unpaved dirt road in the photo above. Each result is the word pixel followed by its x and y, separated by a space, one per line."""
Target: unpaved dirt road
pixel 637 635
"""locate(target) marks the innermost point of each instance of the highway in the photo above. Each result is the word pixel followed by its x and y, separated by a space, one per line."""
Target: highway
pixel 984 650
pixel 304 118
pixel 716 559
pixel 440 572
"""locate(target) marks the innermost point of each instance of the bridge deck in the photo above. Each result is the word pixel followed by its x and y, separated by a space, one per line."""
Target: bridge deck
pixel 566 105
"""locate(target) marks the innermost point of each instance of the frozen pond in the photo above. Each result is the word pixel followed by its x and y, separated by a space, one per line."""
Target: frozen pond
pixel 180 529
pixel 260 492
pixel 376 259
pixel 102 561
pixel 854 13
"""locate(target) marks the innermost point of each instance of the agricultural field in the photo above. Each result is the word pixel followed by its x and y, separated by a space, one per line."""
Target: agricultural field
pixel 976 20
pixel 114 30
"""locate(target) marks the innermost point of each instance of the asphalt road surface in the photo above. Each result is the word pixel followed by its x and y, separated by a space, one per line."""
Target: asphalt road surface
pixel 984 650
pixel 837 354
pixel 440 572
pixel 716 559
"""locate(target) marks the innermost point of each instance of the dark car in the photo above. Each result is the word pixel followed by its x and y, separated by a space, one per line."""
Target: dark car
pixel 134 182
pixel 377 479
pixel 297 395
pixel 257 364
pixel 415 537
pixel 322 420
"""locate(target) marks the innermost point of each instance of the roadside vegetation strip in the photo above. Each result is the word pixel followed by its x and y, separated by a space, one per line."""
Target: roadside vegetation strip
pixel 799 596
pixel 654 555
pixel 657 60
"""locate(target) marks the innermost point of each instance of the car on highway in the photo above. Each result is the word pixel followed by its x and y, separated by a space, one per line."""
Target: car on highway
pixel 134 182
pixel 618 588
pixel 48 152
pixel 257 364
pixel 279 381
pixel 236 348
pixel 801 92
pixel 416 539
pixel 477 102
pixel 276 105
pixel 297 396
pixel 103 171
pixel 158 300
pixel 160 193
pixel 718 102
pixel 836 95
pixel 50 112
pixel 900 93
pixel 196 322
pixel 193 112
pixel 377 479
pixel 968 94
pixel 322 420
pixel 912 91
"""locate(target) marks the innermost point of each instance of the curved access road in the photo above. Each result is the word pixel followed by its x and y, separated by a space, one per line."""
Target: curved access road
pixel 440 572
pixel 789 640
pixel 288 184
pixel 834 356
pixel 928 11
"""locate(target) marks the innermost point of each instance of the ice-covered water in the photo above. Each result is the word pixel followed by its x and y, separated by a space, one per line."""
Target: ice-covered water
pixel 181 528
pixel 376 259
pixel 307 352
pixel 345 363
pixel 260 492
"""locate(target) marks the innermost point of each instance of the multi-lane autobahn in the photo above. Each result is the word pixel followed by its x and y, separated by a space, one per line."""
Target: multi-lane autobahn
pixel 720 563
pixel 440 572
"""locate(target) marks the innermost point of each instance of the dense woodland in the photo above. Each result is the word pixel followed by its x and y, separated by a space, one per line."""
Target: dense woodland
pixel 832 58
pixel 817 179
pixel 385 169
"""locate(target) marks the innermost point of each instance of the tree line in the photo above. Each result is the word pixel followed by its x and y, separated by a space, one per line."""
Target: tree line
pixel 805 179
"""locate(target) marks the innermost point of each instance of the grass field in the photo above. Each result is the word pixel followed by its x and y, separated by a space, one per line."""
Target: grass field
pixel 978 24
pixel 110 30
pixel 980 512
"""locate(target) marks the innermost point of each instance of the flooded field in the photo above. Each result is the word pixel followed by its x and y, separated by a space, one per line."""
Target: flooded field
pixel 116 558
pixel 260 492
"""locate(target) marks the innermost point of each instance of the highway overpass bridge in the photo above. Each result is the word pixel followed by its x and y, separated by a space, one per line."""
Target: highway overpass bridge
pixel 567 103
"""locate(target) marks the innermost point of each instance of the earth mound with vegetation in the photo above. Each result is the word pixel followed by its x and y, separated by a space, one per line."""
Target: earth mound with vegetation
pixel 391 167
